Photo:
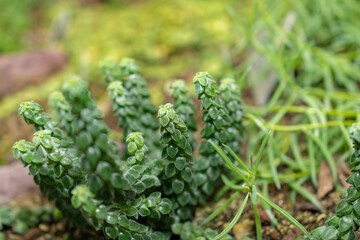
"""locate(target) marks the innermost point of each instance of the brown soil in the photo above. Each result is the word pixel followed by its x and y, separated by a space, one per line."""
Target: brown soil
pixel 306 213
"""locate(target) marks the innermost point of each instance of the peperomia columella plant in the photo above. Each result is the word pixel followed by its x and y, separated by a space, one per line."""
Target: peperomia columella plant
pixel 148 191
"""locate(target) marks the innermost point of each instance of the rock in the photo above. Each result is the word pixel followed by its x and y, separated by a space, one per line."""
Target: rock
pixel 14 181
pixel 344 173
pixel 264 217
pixel 307 206
pixel 243 229
pixel 326 181
pixel 18 70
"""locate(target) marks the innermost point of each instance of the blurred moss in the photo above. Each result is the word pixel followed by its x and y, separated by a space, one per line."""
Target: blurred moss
pixel 17 17
pixel 169 39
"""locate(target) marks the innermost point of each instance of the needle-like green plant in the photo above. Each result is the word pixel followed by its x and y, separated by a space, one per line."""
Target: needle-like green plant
pixel 249 185
pixel 346 220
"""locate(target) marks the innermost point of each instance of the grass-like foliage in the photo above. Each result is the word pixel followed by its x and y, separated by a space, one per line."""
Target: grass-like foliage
pixel 248 174
pixel 149 191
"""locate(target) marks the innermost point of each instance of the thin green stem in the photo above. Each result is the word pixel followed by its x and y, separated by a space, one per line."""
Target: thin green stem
pixel 285 214
pixel 256 216
pixel 235 219
pixel 221 208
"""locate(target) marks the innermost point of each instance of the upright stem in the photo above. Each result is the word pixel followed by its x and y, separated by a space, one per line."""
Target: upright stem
pixel 257 219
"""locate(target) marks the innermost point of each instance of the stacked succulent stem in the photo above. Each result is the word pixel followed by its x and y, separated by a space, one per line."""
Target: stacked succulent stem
pixel 132 100
pixel 217 121
pixel 184 106
pixel 230 93
pixel 55 169
pixel 178 183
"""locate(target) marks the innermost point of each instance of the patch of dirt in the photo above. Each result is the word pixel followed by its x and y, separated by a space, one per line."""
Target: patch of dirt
pixel 306 213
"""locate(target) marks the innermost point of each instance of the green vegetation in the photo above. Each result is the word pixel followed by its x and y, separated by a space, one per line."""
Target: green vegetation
pixel 133 194
pixel 250 185
pixel 296 63
pixel 21 219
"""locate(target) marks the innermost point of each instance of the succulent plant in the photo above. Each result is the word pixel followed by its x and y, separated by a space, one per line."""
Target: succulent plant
pixel 184 106
pixel 217 120
pixel 148 191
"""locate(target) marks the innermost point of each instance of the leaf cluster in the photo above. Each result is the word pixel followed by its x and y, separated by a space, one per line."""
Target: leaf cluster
pixel 153 185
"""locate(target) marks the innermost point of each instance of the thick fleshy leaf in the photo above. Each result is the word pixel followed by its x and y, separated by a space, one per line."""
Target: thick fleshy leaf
pixel 111 231
pixel 178 186
pixel 346 223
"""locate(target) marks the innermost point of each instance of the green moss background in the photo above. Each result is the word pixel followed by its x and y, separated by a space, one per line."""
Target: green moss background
pixel 169 40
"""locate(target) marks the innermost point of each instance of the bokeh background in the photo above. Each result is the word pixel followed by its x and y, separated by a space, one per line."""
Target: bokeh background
pixel 297 63
pixel 44 41
pixel 281 45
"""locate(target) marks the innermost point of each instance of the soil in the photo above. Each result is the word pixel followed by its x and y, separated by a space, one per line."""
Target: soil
pixel 306 213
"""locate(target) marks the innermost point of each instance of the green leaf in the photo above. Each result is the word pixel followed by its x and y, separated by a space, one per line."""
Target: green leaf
pixel 75 172
pixel 187 174
pixel 139 187
pixel 227 160
pixel 184 198
pixel 285 214
pixel 20 227
pixel 235 219
pixel 111 218
pixel 333 221
pixel 144 211
pixel 46 142
pixel 27 157
pixel 330 233
pixel 124 235
pixel 172 151
pixel 118 182
pixel 66 161
pixel 101 212
pixel 221 208
pixel 111 231
pixel 176 228
pixel 261 151
pixel 200 179
pixel 343 208
pixel 213 112
pixel 33 169
pixel 170 170
pixel 164 120
pixel 357 179
pixel 132 148
pixel 233 154
pixel 176 135
pixel 104 170
pixel 178 186
pixel 318 231
pixel 345 224
pixel 165 207
pixel 180 163
pixel 75 201
pixel 67 182
pixel 95 183
pixel 171 128
pixel 123 221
